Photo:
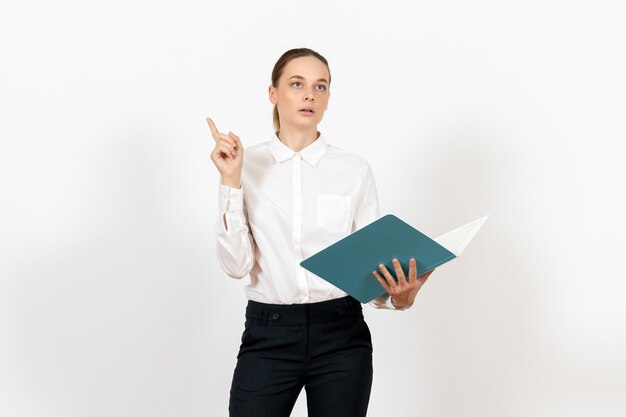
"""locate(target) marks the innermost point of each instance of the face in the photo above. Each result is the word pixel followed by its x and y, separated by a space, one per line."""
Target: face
pixel 303 83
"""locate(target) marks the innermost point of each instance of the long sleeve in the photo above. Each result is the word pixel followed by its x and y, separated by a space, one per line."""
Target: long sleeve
pixel 235 244
pixel 367 211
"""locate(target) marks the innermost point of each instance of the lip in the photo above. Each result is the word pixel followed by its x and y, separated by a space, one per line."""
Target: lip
pixel 307 108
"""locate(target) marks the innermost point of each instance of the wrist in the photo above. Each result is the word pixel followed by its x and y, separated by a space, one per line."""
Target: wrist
pixel 398 306
pixel 231 182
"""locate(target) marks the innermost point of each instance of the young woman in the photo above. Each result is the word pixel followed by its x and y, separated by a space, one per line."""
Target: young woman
pixel 296 195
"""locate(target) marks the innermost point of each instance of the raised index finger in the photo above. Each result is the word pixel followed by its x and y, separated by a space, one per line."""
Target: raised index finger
pixel 214 132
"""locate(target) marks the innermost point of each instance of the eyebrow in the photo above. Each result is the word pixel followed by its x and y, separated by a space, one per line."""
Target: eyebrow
pixel 302 78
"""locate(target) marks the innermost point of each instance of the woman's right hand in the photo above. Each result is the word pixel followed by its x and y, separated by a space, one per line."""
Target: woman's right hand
pixel 227 154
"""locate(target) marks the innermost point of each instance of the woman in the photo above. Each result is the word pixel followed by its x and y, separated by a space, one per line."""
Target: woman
pixel 297 195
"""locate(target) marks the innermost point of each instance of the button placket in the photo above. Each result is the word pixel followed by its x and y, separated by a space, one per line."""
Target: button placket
pixel 297 220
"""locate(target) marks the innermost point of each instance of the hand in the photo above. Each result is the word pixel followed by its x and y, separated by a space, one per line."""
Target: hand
pixel 402 292
pixel 227 154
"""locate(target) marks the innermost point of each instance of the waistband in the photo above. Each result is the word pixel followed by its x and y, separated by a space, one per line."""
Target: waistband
pixel 307 313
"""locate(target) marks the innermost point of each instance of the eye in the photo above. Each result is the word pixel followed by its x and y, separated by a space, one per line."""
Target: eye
pixel 319 85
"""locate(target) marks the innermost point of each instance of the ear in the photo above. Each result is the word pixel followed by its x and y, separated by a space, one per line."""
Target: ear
pixel 272 94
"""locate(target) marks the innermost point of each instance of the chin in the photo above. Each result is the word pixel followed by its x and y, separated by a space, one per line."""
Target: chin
pixel 308 122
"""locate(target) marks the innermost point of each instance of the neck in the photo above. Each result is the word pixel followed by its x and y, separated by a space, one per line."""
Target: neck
pixel 297 139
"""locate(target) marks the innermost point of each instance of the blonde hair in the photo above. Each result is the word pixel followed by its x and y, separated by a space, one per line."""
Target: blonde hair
pixel 280 66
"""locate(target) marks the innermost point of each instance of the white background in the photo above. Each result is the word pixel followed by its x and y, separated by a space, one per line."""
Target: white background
pixel 111 299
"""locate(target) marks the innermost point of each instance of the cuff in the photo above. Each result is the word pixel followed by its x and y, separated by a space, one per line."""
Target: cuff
pixel 383 302
pixel 231 207
pixel 230 199
pixel 400 308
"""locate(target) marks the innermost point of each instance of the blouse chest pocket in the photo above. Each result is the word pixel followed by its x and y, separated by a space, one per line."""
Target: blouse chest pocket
pixel 333 211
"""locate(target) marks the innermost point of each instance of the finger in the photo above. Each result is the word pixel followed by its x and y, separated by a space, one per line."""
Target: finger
pixel 221 151
pixel 390 280
pixel 236 145
pixel 226 150
pixel 412 271
pixel 237 141
pixel 229 145
pixel 227 138
pixel 399 272
pixel 235 138
pixel 214 130
pixel 382 281
pixel 233 141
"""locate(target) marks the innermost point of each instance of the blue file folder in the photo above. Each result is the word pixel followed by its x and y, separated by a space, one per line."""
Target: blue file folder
pixel 349 262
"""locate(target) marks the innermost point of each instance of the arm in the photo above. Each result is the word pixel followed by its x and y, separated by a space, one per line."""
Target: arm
pixel 234 241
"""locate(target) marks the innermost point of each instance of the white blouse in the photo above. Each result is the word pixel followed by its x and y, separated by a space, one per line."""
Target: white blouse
pixel 290 206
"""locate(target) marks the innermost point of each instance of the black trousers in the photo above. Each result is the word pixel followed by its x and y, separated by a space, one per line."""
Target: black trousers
pixel 325 347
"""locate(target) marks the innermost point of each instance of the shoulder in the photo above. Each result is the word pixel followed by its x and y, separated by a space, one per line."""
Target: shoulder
pixel 258 147
pixel 257 154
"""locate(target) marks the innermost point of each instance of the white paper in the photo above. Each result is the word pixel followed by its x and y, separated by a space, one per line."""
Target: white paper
pixel 457 240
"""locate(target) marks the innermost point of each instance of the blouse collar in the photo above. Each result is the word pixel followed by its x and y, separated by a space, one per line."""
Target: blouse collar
pixel 312 153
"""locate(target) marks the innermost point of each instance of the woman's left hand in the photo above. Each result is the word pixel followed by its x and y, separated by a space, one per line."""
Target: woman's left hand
pixel 402 292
